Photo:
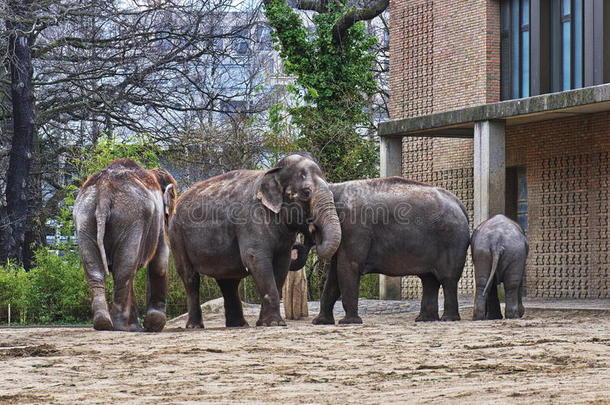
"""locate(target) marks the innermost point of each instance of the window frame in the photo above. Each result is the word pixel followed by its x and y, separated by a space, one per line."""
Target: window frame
pixel 589 52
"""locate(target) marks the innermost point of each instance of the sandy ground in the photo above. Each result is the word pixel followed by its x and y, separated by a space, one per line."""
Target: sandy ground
pixel 548 357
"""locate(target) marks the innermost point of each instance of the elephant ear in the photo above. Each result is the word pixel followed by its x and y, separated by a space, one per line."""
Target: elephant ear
pixel 270 191
pixel 168 198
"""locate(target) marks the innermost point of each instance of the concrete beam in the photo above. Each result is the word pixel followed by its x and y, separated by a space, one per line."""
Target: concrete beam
pixel 489 170
pixel 537 108
pixel 390 165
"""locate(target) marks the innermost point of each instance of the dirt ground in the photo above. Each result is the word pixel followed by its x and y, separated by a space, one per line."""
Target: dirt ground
pixel 548 357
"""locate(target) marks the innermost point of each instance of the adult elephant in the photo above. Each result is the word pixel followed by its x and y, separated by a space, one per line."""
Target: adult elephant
pixel 396 227
pixel 245 222
pixel 121 216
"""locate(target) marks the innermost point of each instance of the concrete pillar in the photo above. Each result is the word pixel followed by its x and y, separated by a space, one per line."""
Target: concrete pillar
pixel 390 165
pixel 489 170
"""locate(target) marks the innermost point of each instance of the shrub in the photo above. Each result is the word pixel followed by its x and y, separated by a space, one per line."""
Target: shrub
pixel 58 291
pixel 14 285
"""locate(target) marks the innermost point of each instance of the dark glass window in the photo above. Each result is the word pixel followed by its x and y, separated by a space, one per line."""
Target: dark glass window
pixel 553 45
pixel 515 44
pixel 567 44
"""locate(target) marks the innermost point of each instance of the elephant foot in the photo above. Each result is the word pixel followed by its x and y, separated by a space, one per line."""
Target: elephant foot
pixel 347 320
pixel 154 321
pixel 512 314
pixel 493 315
pixel 323 320
pixel 236 323
pixel 101 321
pixel 521 311
pixel 450 317
pixel 190 324
pixel 426 317
pixel 272 320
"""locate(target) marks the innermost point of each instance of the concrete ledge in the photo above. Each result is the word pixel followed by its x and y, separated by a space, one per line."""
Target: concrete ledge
pixel 459 123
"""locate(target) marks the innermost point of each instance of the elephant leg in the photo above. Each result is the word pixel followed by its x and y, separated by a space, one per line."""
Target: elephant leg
pixel 96 277
pixel 281 267
pixel 330 295
pixel 124 313
pixel 261 269
pixel 479 301
pixel 192 282
pixel 493 303
pixel 512 287
pixel 451 310
pixel 234 313
pixel 348 275
pixel 520 304
pixel 482 261
pixel 429 301
pixel 125 265
pixel 156 293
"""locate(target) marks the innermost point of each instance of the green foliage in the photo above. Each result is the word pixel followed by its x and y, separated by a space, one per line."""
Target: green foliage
pixel 334 84
pixel 14 286
pixel 369 286
pixel 58 291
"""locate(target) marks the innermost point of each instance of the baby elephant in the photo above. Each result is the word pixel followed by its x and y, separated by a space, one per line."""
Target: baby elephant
pixel 499 251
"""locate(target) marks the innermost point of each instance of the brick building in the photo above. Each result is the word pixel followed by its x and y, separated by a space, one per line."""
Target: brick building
pixel 503 102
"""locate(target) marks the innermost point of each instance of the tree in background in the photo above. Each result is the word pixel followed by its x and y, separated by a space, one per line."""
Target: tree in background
pixel 75 70
pixel 333 67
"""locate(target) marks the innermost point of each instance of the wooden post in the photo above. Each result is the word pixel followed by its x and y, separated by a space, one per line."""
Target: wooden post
pixel 294 292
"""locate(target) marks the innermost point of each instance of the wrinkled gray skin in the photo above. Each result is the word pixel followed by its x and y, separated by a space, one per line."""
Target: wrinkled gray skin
pixel 121 217
pixel 499 252
pixel 245 222
pixel 396 227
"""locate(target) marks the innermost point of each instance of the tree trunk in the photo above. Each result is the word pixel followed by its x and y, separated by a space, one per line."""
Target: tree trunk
pixel 14 214
pixel 294 291
pixel 295 295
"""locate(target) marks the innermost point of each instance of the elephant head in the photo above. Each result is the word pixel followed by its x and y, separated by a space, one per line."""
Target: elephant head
pixel 296 187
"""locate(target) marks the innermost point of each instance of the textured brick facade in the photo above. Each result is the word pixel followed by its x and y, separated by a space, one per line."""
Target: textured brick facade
pixel 445 55
pixel 568 176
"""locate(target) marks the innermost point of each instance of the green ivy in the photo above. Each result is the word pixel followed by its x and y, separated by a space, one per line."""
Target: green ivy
pixel 334 84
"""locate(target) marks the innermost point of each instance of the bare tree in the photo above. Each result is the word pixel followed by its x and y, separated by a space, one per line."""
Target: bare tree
pixel 80 69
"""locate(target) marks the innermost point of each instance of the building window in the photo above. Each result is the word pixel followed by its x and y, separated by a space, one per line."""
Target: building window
pixel 567 48
pixel 553 45
pixel 515 48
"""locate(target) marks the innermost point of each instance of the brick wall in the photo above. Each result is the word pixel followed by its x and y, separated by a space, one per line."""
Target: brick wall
pixel 443 55
pixel 446 55
pixel 568 173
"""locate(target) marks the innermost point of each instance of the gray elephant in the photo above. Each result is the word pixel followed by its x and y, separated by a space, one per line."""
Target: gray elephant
pixel 244 223
pixel 396 227
pixel 121 216
pixel 499 251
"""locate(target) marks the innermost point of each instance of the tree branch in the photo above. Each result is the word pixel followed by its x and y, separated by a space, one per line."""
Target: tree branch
pixel 358 14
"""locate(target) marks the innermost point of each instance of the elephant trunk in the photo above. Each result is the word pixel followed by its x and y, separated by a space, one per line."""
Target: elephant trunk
pixel 326 222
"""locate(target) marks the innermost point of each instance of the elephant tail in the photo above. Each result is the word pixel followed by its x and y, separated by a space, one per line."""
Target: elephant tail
pixel 101 214
pixel 495 257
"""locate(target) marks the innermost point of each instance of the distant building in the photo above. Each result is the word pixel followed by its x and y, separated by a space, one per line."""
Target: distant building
pixel 505 104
